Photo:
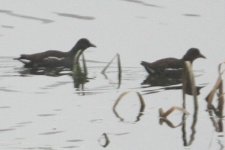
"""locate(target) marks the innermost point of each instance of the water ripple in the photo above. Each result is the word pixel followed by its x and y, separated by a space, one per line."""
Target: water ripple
pixel 143 3
pixel 51 132
pixel 70 147
pixel 46 115
pixel 3 89
pixel 11 13
pixel 7 26
pixel 4 107
pixel 75 16
pixel 192 15
pixel 75 140
pixel 8 129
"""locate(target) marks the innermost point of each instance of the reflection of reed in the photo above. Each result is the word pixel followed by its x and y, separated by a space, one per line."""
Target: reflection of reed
pixel 221 145
pixel 163 116
pixel 169 123
pixel 189 82
pixel 141 110
pixel 176 87
pixel 216 113
pixel 79 78
pixel 79 75
pixel 119 69
pixel 188 87
pixel 193 130
pixel 104 138
pixel 217 122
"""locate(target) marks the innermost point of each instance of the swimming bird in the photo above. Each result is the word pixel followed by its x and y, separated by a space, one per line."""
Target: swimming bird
pixel 163 65
pixel 55 58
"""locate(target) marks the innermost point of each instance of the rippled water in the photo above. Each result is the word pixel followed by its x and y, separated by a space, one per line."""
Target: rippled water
pixel 57 112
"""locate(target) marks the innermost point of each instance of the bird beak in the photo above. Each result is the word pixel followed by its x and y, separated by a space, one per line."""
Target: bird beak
pixel 92 45
pixel 202 56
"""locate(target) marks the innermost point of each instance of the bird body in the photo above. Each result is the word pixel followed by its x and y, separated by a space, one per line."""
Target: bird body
pixel 55 58
pixel 42 55
pixel 162 65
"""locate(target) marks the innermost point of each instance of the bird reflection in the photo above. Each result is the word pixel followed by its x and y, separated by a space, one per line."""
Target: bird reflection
pixel 171 77
pixel 43 71
pixel 169 86
pixel 168 80
pixel 78 75
pixel 160 81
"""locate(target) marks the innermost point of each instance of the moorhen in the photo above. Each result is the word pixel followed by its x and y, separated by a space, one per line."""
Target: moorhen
pixel 163 65
pixel 55 58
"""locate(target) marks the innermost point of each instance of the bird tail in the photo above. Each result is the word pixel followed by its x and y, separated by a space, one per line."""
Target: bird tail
pixel 18 58
pixel 147 67
pixel 22 56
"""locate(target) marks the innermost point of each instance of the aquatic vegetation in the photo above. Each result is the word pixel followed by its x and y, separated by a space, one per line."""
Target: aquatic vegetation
pixel 169 111
pixel 104 140
pixel 117 56
pixel 218 88
pixel 217 93
pixel 141 110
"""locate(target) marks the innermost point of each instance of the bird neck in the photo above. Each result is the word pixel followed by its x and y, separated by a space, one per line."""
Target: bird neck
pixel 75 50
pixel 188 58
pixel 75 53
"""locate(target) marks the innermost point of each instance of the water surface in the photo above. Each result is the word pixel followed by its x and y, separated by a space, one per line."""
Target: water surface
pixel 55 112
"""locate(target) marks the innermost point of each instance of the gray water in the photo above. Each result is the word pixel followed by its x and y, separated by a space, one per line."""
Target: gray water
pixel 54 113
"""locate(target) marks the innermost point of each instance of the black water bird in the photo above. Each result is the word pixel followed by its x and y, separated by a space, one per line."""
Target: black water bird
pixel 55 58
pixel 163 66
